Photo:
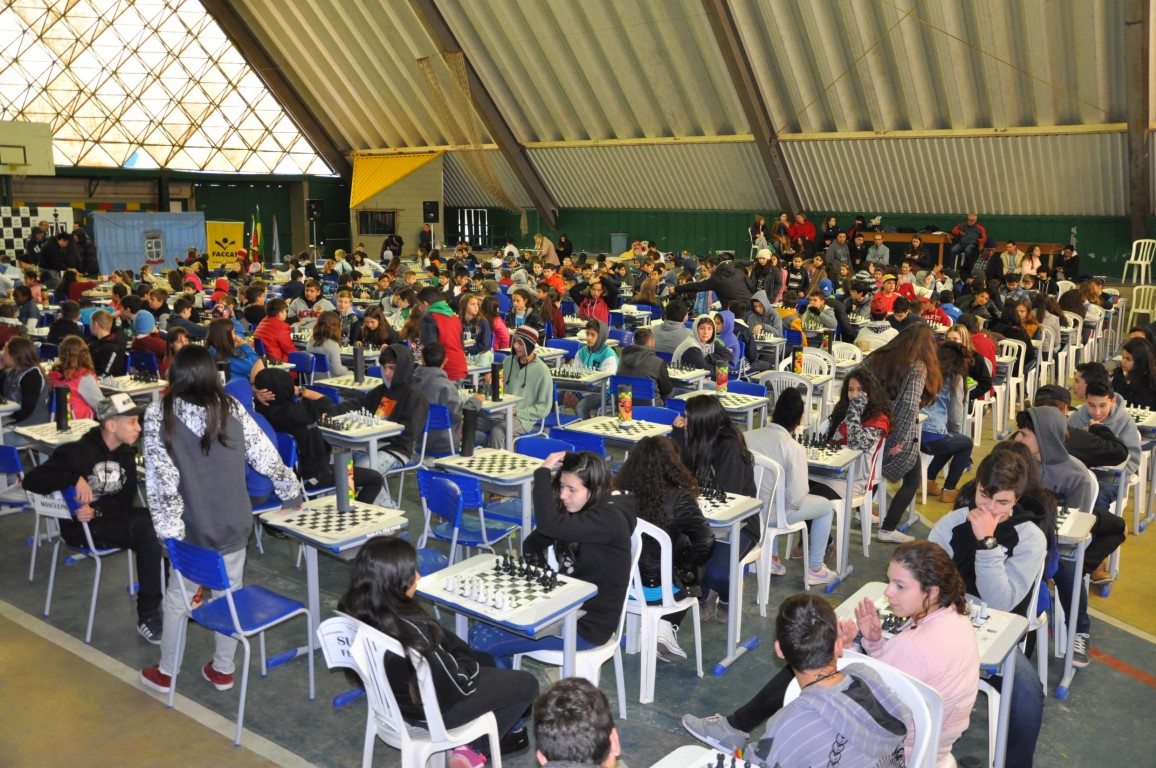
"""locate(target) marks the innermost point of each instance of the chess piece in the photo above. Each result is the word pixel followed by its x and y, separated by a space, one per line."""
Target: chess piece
pixel 983 611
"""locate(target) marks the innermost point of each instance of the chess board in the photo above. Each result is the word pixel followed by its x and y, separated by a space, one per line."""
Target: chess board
pixel 579 375
pixel 530 600
pixel 731 401
pixel 132 382
pixel 834 455
pixel 719 506
pixel 347 382
pixel 1145 418
pixel 351 428
pixel 16 226
pixel 319 523
pixel 49 434
pixel 371 353
pixel 610 426
pixel 492 463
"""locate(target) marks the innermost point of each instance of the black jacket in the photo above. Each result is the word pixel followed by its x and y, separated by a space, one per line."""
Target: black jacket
pixel 1096 446
pixel 730 470
pixel 400 401
pixel 592 545
pixel 641 362
pixel 1137 397
pixel 691 538
pixel 109 355
pixel 728 281
pixel 298 420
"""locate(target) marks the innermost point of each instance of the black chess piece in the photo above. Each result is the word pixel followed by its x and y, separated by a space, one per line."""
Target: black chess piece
pixel 720 761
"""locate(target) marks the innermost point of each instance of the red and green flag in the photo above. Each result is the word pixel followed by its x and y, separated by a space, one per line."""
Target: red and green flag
pixel 258 237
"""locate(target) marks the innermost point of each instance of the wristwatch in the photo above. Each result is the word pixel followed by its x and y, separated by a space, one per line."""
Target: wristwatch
pixel 988 542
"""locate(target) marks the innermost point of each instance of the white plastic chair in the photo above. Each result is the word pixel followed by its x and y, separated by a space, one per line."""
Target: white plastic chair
pixel 1045 359
pixel 589 662
pixel 848 354
pixel 994 399
pixel 1141 261
pixel 925 703
pixel 874 494
pixel 780 381
pixel 337 637
pixel 776 525
pixel 1063 286
pixel 1017 383
pixel 61 506
pixel 417 745
pixel 642 619
pixel 1143 303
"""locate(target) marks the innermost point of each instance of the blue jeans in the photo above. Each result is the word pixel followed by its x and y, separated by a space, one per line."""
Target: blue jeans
pixel 503 645
pixel 1027 711
pixel 819 511
pixel 588 406
pixel 1064 578
pixel 951 447
pixel 718 569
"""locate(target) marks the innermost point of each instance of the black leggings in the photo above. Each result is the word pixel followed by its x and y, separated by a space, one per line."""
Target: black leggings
pixel 765 703
pixel 903 497
pixel 507 693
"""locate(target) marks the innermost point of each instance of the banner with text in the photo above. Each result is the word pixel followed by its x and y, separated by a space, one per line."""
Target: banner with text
pixel 223 238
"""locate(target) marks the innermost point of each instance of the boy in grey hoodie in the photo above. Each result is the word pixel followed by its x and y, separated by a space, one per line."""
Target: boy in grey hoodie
pixel 672 331
pixel 431 378
pixel 762 317
pixel 1043 430
pixel 1103 406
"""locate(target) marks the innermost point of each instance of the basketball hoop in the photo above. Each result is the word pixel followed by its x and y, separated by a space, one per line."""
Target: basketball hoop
pixel 18 172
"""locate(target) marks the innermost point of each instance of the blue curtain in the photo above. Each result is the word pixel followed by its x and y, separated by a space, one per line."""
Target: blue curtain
pixel 121 238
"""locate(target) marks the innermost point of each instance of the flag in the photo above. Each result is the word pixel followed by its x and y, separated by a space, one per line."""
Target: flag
pixel 276 250
pixel 258 237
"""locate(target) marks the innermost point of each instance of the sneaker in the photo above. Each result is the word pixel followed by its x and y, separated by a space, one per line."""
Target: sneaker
pixel 797 552
pixel 1080 657
pixel 874 518
pixel 933 488
pixel 715 731
pixel 150 628
pixel 514 743
pixel 155 680
pixel 220 682
pixel 948 496
pixel 464 757
pixel 817 578
pixel 1102 574
pixel 668 647
pixel 707 605
pixel 777 567
pixel 723 614
pixel 894 537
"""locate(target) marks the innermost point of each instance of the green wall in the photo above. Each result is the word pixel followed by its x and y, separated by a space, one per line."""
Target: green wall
pixel 701 232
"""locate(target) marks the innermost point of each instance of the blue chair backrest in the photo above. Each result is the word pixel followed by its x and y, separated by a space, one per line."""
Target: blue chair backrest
pixel 582 441
pixel 439 418
pixel 676 405
pixel 794 338
pixel 198 564
pixel 541 447
pixel 141 361
pixel 320 364
pixel 303 363
pixel 500 357
pixel 287 448
pixel 331 392
pixel 259 347
pixel 441 495
pixel 266 427
pixel 640 388
pixel 374 371
pixel 656 414
pixel 624 336
pixel 667 356
pixel 617 319
pixel 568 307
pixel 240 389
pixel 504 303
pixel 49 351
pixel 747 388
pixel 548 330
pixel 570 345
pixel 10 463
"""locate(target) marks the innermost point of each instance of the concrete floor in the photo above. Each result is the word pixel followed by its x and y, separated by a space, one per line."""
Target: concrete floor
pixel 1107 714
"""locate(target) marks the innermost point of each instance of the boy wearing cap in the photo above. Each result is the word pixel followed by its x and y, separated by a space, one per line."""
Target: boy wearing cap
pixel 527 377
pixel 102 467
pixel 146 338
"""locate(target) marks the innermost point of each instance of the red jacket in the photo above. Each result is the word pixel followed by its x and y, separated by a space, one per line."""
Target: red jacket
pixel 156 345
pixel 806 230
pixel 442 326
pixel 594 308
pixel 77 289
pixel 275 335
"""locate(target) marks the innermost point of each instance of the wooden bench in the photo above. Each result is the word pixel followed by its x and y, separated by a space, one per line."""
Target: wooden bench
pixel 905 238
pixel 1048 250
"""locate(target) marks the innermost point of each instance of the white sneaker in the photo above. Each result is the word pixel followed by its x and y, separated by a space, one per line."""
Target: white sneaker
pixel 777 567
pixel 668 647
pixel 817 578
pixel 894 537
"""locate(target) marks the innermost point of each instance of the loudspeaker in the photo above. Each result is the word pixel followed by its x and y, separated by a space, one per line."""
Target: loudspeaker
pixel 429 211
pixel 314 209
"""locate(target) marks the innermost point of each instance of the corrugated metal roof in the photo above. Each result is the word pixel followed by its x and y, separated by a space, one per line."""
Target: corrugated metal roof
pixel 1073 174
pixel 462 190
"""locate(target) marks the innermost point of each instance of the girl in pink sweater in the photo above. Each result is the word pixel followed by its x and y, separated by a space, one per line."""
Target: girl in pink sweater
pixel 937 644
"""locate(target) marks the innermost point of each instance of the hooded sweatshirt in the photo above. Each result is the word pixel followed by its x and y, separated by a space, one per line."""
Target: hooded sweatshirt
pixel 297 419
pixel 727 280
pixel 769 320
pixel 709 356
pixel 1121 424
pixel 641 362
pixel 441 324
pixel 439 390
pixel 860 719
pixel 668 335
pixel 1064 476
pixel 727 336
pixel 400 400
pixel 599 356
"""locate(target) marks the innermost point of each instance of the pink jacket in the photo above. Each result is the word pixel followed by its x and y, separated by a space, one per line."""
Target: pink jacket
pixel 941 651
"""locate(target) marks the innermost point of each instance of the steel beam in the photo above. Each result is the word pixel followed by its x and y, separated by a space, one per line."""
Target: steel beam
pixel 1136 76
pixel 496 125
pixel 249 45
pixel 730 44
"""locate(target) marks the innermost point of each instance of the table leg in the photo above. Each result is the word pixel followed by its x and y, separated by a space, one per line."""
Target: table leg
pixel 1008 672
pixel 510 429
pixel 843 567
pixel 527 512
pixel 569 643
pixel 313 591
pixel 735 615
pixel 1073 608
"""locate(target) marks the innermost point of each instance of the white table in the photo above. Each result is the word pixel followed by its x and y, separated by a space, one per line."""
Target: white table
pixel 347 382
pixel 590 381
pixel 776 345
pixel 112 385
pixel 693 756
pixel 7 409
pixel 343 545
pixel 840 464
pixel 731 516
pixel 734 403
pixel 1073 535
pixel 627 433
pixel 506 405
pixel 47 436
pixel 519 473
pixel 536 618
pixel 363 438
pixel 686 376
pixel 998 638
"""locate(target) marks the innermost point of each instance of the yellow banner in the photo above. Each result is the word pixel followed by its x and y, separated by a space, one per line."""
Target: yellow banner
pixel 224 238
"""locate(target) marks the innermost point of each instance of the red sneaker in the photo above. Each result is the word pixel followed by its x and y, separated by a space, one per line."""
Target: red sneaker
pixel 220 682
pixel 155 680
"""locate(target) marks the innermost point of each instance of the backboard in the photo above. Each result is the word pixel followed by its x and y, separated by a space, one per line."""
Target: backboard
pixel 26 149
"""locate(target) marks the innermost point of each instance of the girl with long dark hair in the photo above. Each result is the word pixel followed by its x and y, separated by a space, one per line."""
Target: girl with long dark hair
pixel 588 530
pixel 714 450
pixel 860 420
pixel 943 436
pixel 226 346
pixel 197 442
pixel 375 330
pixel 1135 379
pixel 326 341
pixel 477 338
pixel 23 381
pixel 666 495
pixel 908 369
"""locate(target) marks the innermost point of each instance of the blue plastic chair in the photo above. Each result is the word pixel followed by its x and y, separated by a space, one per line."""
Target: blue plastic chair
pixel 320 366
pixel 439 421
pixel 747 388
pixel 541 447
pixel 331 392
pixel 676 405
pixel 374 371
pixel 13 496
pixel 555 418
pixel 582 441
pixel 240 389
pixel 568 307
pixel 49 351
pixel 143 362
pixel 617 319
pixel 570 345
pixel 640 388
pixel 259 347
pixel 444 499
pixel 239 614
pixel 304 365
pixel 505 304
pixel 624 336
pixel 667 356
pixel 63 506
pixel 656 414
